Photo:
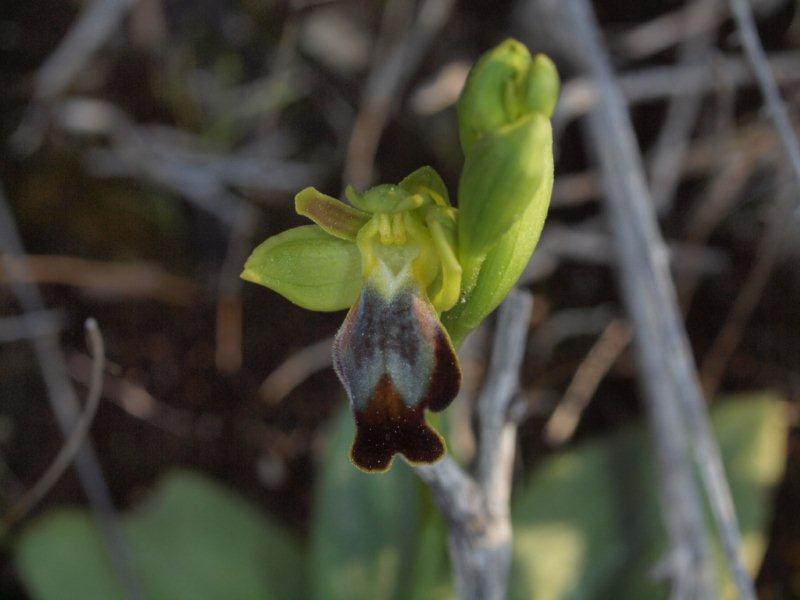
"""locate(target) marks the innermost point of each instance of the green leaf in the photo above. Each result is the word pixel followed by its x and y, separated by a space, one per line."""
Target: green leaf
pixel 309 267
pixel 587 524
pixel 364 527
pixel 62 556
pixel 191 539
pixel 335 217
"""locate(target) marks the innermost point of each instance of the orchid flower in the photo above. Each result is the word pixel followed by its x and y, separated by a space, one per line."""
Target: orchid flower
pixel 417 274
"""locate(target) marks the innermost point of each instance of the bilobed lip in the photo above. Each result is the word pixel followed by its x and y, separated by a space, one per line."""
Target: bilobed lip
pixel 395 360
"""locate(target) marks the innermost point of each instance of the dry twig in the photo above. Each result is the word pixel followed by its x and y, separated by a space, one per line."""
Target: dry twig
pixel 667 367
pixel 103 278
pixel 385 81
pixel 76 438
pixel 779 225
pixel 295 370
pixel 601 357
pixel 477 511
pixel 766 81
pixel 62 400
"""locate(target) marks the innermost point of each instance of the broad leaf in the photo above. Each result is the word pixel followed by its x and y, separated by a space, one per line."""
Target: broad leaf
pixel 587 524
pixel 191 539
pixel 364 526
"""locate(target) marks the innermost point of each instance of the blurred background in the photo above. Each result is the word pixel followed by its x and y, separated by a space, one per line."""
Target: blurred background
pixel 146 146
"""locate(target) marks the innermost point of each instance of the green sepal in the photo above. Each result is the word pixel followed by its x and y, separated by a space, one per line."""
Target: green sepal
pixel 308 267
pixel 500 180
pixel 426 181
pixel 385 198
pixel 335 217
pixel 490 94
pixel 503 265
pixel 542 86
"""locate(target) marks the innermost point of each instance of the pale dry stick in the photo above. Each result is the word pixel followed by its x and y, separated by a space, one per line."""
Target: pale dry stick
pixel 73 443
pixel 497 432
pixel 385 82
pixel 295 370
pixel 477 512
pixel 666 162
pixel 96 24
pixel 768 85
pixel 228 348
pixel 574 189
pixel 661 33
pixel 667 367
pixel 645 287
pixel 654 83
pixel 14 329
pixel 64 404
pixel 106 278
pixel 779 226
pixel 722 194
pixel 590 373
pixel 135 400
pixel 588 245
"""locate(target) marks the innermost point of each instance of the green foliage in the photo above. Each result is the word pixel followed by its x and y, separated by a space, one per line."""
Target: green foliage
pixel 192 539
pixel 586 525
pixel 364 528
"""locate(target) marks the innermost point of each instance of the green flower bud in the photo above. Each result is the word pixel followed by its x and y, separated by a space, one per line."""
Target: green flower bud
pixel 505 186
pixel 500 179
pixel 503 264
pixel 505 84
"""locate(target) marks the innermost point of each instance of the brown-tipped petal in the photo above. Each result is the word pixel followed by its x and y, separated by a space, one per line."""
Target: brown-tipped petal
pixel 335 217
pixel 387 427
pixel 395 360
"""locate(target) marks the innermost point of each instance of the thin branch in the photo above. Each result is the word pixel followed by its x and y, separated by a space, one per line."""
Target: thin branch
pixel 644 276
pixel 766 81
pixel 497 434
pixel 666 164
pixel 295 370
pixel 654 83
pixel 106 278
pixel 75 440
pixel 779 226
pixel 16 328
pixel 64 404
pixel 667 367
pixel 601 357
pixel 477 512
pixel 91 30
pixel 386 79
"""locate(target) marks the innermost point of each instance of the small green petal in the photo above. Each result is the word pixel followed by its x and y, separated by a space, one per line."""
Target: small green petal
pixel 385 198
pixel 426 181
pixel 309 267
pixel 490 98
pixel 542 86
pixel 335 217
